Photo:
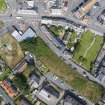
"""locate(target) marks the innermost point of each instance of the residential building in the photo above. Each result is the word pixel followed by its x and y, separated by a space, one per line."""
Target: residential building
pixel 71 99
pixel 34 81
pixel 27 8
pixel 56 12
pixel 2 66
pixel 50 94
pixel 101 17
pixel 55 4
pixel 24 101
pixel 9 87
pixel 100 73
pixel 83 10
pixel 30 3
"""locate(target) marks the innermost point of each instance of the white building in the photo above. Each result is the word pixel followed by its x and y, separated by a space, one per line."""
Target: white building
pixel 34 81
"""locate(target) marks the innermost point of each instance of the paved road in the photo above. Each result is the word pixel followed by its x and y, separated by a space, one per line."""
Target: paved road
pixel 92 25
pixel 66 21
pixel 6 98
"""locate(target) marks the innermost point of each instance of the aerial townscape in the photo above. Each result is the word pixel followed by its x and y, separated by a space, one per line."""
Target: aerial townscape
pixel 52 52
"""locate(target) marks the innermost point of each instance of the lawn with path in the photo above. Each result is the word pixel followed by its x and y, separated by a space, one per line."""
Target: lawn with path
pixel 87 49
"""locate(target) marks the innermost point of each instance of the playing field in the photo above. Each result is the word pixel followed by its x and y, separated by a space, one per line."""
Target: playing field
pixel 2 5
pixel 55 65
pixel 87 49
pixel 10 51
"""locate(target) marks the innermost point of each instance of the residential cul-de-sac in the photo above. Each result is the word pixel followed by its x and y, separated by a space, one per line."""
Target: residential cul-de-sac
pixel 52 52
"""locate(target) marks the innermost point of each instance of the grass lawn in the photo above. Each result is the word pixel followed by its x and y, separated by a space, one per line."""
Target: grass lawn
pixel 87 49
pixel 27 71
pixel 10 50
pixel 5 74
pixel 71 41
pixel 86 88
pixel 17 102
pixel 3 5
pixel 57 30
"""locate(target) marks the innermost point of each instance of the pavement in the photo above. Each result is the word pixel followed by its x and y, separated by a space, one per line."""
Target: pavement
pixel 6 98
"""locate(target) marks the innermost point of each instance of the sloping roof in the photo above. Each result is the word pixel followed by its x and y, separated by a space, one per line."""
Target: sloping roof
pixel 9 88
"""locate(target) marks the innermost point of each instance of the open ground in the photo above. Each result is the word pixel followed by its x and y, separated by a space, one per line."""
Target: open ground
pixel 10 51
pixel 55 65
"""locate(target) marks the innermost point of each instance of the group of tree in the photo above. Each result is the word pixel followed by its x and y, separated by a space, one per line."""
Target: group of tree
pixel 21 82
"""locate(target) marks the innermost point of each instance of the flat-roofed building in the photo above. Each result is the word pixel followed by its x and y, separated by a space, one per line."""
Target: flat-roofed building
pixel 71 99
pixel 49 93
pixel 29 33
pixel 56 12
pixel 34 81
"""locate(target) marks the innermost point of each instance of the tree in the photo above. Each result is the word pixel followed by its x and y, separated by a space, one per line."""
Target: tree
pixel 21 83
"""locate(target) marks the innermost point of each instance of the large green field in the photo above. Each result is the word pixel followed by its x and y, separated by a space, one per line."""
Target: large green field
pixel 85 87
pixel 87 49
pixel 2 5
